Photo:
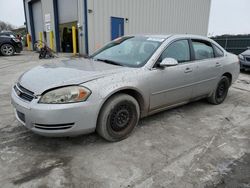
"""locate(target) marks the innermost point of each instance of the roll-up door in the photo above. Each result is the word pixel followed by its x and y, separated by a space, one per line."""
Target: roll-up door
pixel 68 17
pixel 67 11
pixel 38 18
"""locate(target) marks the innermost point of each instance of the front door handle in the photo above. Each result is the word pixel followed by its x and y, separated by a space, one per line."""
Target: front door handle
pixel 217 64
pixel 187 70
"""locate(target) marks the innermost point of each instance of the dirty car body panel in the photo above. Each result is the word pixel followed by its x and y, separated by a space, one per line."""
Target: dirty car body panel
pixel 155 88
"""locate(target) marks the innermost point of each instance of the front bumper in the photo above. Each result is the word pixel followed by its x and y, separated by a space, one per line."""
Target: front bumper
pixel 18 47
pixel 56 120
pixel 244 64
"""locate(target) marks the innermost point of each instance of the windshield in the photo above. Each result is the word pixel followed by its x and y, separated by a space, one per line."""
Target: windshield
pixel 128 51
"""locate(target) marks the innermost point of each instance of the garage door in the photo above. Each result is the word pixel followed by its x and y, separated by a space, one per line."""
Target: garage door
pixel 37 17
pixel 67 11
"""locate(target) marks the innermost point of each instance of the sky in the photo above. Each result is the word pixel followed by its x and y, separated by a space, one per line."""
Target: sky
pixel 12 11
pixel 226 16
pixel 229 17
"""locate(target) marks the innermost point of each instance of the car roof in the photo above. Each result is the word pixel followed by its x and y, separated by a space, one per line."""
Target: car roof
pixel 5 34
pixel 165 36
pixel 155 36
pixel 177 36
pixel 6 31
pixel 171 34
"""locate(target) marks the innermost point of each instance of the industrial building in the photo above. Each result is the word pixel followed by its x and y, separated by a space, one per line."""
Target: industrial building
pixel 99 21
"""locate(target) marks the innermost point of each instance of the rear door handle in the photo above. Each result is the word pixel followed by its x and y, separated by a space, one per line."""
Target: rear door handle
pixel 187 70
pixel 217 64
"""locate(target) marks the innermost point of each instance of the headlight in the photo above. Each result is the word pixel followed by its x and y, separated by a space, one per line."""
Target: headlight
pixel 64 95
pixel 16 40
pixel 241 57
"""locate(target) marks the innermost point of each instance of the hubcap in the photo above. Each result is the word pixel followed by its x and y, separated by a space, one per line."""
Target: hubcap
pixel 8 50
pixel 120 118
pixel 221 90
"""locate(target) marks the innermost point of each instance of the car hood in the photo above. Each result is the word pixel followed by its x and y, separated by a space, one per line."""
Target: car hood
pixel 247 53
pixel 69 72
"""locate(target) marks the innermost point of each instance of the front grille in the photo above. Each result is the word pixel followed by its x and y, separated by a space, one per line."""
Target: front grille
pixel 21 116
pixel 54 126
pixel 248 59
pixel 24 93
pixel 245 66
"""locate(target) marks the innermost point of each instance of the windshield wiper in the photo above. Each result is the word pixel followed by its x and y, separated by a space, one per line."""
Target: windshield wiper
pixel 109 61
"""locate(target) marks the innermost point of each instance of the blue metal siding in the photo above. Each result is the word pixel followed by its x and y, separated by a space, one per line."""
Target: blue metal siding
pixel 86 27
pixel 25 15
pixel 32 28
pixel 56 21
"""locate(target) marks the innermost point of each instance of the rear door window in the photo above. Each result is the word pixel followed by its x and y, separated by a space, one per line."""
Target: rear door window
pixel 202 49
pixel 217 51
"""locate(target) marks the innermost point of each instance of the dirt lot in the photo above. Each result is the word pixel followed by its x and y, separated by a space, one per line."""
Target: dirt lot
pixel 196 145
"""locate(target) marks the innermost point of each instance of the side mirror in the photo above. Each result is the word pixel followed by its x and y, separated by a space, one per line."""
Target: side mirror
pixel 167 62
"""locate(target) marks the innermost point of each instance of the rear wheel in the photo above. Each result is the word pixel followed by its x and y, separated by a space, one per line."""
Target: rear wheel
pixel 7 49
pixel 220 93
pixel 118 117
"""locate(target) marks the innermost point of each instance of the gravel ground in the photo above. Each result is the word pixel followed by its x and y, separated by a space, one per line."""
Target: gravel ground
pixel 196 145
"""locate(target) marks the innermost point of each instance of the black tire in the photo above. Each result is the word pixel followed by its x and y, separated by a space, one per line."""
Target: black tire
pixel 7 50
pixel 220 93
pixel 42 53
pixel 118 117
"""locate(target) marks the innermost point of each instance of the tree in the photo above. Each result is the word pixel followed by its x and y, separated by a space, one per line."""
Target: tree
pixel 5 26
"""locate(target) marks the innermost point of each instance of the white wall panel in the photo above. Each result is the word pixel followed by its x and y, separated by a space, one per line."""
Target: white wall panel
pixel 147 16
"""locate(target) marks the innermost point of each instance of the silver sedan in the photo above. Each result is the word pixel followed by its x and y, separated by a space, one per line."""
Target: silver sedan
pixel 245 60
pixel 129 78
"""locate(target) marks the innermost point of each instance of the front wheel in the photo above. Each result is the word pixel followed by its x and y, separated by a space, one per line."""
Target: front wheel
pixel 7 49
pixel 220 93
pixel 118 117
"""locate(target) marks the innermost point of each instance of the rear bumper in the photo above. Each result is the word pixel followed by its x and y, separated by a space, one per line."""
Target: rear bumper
pixel 56 120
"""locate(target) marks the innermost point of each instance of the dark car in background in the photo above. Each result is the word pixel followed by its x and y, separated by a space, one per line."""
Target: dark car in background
pixel 245 60
pixel 9 44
